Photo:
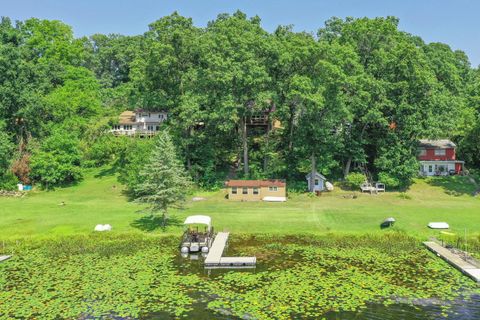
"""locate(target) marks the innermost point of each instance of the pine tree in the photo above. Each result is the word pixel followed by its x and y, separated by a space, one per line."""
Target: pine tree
pixel 164 182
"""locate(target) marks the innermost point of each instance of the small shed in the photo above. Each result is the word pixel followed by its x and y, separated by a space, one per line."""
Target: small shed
pixel 319 181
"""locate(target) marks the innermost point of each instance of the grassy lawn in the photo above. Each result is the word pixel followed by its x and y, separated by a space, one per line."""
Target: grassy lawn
pixel 99 199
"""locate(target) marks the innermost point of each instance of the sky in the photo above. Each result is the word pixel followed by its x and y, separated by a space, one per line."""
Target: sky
pixel 454 22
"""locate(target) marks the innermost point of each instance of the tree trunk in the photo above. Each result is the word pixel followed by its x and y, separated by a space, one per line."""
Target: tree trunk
pixel 187 149
pixel 245 147
pixel 164 219
pixel 265 157
pixel 290 124
pixel 312 172
pixel 346 170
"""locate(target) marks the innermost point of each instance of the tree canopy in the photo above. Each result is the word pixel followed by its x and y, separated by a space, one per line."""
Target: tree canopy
pixel 354 97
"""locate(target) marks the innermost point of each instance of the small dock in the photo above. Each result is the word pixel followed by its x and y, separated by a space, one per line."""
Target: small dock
pixel 455 260
pixel 3 258
pixel 214 259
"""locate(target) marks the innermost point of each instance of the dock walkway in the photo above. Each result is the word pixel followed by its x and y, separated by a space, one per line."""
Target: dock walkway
pixel 214 258
pixel 455 260
pixel 3 258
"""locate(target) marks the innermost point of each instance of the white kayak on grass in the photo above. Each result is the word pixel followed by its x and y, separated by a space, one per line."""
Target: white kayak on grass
pixel 438 225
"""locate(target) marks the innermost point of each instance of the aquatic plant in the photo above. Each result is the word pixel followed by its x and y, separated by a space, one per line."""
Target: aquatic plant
pixel 137 276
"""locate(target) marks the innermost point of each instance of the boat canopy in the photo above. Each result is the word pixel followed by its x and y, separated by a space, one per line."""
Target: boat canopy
pixel 199 219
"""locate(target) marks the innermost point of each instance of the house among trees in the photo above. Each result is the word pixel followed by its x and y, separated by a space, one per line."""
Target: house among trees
pixel 139 123
pixel 256 190
pixel 437 158
pixel 318 182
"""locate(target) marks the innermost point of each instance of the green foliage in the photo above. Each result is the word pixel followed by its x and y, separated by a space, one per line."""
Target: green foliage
pixel 99 277
pixel 57 161
pixel 163 182
pixel 131 276
pixel 363 92
pixel 7 180
pixel 132 157
pixel 354 180
pixel 388 180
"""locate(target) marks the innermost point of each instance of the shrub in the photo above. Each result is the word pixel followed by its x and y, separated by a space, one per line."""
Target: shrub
pixel 296 186
pixel 389 180
pixel 57 161
pixel 354 180
pixel 8 181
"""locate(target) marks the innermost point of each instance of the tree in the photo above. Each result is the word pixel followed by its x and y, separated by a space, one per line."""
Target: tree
pixel 163 180
pixel 6 148
pixel 57 161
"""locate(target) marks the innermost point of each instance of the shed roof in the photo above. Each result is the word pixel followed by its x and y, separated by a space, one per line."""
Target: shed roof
pixel 319 175
pixel 256 183
pixel 443 143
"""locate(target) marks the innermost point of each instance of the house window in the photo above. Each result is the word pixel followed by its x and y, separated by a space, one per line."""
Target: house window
pixel 234 190
pixel 316 182
pixel 422 152
pixel 440 152
pixel 116 127
pixel 430 168
pixel 150 128
pixel 255 190
pixel 127 127
pixel 272 188
pixel 158 128
pixel 244 190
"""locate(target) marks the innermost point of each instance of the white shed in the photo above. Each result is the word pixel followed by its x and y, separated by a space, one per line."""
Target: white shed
pixel 319 182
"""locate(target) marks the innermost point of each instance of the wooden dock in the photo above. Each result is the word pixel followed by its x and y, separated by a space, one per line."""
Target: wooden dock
pixel 214 259
pixel 3 258
pixel 455 260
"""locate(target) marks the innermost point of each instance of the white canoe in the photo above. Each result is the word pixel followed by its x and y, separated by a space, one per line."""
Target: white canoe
pixel 438 225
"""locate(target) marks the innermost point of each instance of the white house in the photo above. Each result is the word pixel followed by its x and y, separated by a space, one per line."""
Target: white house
pixel 319 182
pixel 139 122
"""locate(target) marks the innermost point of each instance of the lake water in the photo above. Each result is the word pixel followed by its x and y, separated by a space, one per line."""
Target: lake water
pixel 465 307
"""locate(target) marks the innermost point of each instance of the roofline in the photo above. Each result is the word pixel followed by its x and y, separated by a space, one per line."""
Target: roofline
pixel 146 110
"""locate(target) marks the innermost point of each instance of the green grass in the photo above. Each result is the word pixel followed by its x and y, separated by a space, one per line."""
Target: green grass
pixel 95 200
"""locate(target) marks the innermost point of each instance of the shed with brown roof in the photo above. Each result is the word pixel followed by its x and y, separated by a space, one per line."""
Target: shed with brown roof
pixel 255 190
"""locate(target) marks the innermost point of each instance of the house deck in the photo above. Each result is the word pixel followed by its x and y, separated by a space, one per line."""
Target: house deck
pixel 455 260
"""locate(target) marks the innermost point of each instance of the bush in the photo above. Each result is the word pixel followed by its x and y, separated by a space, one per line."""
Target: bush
pixel 104 150
pixel 8 181
pixel 131 158
pixel 354 180
pixel 296 186
pixel 388 180
pixel 57 161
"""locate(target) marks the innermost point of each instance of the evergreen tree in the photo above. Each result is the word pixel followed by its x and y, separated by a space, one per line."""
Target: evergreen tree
pixel 163 180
